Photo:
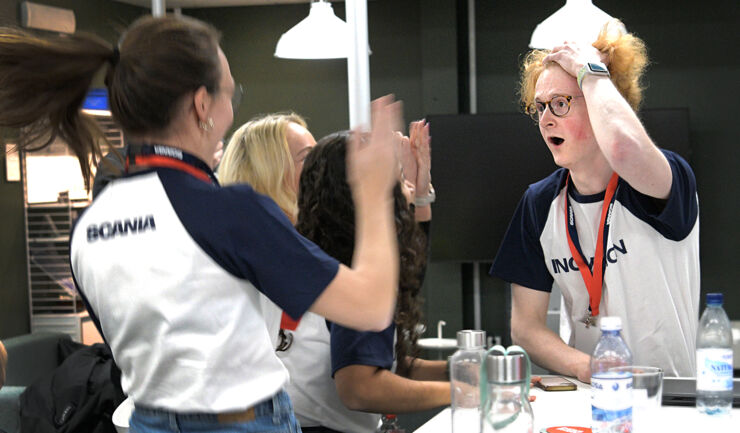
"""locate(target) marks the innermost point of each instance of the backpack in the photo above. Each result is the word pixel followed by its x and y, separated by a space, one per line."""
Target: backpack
pixel 79 396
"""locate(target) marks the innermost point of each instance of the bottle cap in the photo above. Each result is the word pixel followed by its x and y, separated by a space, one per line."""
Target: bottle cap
pixel 715 298
pixel 502 368
pixel 471 339
pixel 611 323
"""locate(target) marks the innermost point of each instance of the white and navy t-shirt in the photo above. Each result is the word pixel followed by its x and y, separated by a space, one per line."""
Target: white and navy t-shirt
pixel 651 277
pixel 172 268
pixel 319 349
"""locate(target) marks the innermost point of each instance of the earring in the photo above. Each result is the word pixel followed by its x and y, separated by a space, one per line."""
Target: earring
pixel 206 126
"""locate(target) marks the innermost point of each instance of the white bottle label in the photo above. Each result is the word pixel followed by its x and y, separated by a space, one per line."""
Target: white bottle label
pixel 714 369
pixel 611 400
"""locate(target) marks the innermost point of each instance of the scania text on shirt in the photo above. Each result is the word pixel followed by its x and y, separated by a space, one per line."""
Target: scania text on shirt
pixel 110 229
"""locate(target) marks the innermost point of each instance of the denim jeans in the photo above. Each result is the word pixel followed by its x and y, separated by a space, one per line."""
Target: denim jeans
pixel 274 415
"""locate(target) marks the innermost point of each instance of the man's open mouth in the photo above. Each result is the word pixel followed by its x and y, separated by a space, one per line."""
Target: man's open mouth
pixel 557 141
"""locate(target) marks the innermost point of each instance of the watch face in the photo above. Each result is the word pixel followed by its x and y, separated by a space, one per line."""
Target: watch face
pixel 598 68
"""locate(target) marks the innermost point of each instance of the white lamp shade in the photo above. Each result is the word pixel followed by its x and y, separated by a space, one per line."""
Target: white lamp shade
pixel 321 35
pixel 578 21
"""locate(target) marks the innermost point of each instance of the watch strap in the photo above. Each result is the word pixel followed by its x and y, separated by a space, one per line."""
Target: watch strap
pixel 426 200
pixel 591 68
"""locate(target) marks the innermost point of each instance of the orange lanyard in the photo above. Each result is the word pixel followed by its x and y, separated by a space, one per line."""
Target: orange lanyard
pixel 593 276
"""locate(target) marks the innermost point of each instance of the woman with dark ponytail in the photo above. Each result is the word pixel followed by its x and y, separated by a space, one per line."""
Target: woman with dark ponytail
pixel 170 264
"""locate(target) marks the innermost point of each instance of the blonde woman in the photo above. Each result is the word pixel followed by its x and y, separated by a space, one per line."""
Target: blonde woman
pixel 268 152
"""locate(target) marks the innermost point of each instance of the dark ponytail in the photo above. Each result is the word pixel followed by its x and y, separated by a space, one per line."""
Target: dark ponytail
pixel 43 83
pixel 160 61
pixel 44 80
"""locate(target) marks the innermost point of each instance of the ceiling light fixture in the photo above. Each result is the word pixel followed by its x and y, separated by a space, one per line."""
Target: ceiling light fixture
pixel 321 35
pixel 578 21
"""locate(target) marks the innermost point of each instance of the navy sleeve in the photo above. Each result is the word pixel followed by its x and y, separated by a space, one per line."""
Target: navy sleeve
pixel 248 235
pixel 350 347
pixel 675 217
pixel 520 258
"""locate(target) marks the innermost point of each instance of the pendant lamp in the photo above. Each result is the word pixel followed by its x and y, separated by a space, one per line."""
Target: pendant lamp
pixel 578 21
pixel 321 35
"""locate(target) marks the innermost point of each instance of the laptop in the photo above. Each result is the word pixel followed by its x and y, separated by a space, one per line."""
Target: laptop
pixel 681 391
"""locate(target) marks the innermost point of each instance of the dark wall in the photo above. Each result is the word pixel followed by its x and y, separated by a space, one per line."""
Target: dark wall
pixel 106 19
pixel 413 56
pixel 693 65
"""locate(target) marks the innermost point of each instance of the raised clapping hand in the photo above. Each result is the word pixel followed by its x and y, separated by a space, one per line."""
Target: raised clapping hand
pixel 416 157
pixel 372 163
pixel 421 146
pixel 572 56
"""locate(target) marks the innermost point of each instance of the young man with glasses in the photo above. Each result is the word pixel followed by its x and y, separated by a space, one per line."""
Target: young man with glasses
pixel 616 228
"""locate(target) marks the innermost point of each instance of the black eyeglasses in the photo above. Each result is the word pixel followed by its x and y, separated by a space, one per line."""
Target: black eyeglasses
pixel 236 98
pixel 559 107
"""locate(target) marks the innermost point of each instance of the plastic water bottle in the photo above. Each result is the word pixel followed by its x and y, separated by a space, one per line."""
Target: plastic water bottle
pixel 611 391
pixel 465 367
pixel 714 359
pixel 389 424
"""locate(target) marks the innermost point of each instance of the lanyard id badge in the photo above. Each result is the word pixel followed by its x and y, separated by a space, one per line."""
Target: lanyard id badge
pixel 158 155
pixel 593 276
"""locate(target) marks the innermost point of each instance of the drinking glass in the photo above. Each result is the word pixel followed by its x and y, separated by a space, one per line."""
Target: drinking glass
pixel 647 391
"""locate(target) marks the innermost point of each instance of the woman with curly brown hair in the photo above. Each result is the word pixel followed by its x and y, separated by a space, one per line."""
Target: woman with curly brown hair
pixel 616 228
pixel 373 372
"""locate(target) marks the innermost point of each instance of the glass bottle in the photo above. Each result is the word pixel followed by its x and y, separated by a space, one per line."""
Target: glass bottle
pixel 465 367
pixel 507 407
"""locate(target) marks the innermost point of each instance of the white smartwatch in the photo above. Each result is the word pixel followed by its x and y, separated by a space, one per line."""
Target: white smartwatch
pixel 427 200
pixel 592 68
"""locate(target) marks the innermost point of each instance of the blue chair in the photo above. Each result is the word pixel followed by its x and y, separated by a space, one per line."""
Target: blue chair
pixel 30 356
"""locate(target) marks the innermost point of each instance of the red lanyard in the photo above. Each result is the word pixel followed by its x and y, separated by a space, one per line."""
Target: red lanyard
pixel 157 155
pixel 288 323
pixel 594 276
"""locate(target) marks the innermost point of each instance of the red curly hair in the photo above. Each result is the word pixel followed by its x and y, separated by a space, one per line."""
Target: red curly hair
pixel 626 58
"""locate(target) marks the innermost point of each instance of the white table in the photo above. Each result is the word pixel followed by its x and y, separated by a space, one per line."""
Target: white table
pixel 573 408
